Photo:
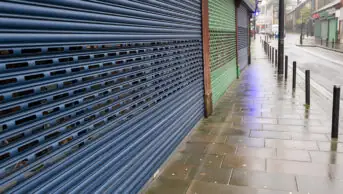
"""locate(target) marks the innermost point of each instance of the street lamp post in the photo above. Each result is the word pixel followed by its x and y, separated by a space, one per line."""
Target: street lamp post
pixel 301 30
pixel 301 33
pixel 281 36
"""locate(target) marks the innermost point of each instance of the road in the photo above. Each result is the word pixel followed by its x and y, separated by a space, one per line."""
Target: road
pixel 326 66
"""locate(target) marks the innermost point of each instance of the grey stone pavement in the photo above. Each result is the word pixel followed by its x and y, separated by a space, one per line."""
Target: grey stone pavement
pixel 260 140
pixel 311 41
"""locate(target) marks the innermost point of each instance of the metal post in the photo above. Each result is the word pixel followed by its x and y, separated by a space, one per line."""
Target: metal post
pixel 333 42
pixel 327 42
pixel 286 66
pixel 276 57
pixel 301 39
pixel 335 112
pixel 301 33
pixel 321 41
pixel 307 87
pixel 264 46
pixel 269 52
pixel 281 35
pixel 294 74
pixel 272 55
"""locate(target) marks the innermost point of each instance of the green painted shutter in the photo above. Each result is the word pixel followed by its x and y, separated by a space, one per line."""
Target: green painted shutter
pixel 332 29
pixel 222 45
pixel 324 29
pixel 317 29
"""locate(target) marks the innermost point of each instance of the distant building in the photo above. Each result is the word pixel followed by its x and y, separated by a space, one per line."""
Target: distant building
pixel 269 15
pixel 328 20
pixel 300 17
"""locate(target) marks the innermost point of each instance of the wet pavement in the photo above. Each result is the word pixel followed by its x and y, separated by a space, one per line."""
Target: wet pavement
pixel 326 68
pixel 260 140
pixel 331 45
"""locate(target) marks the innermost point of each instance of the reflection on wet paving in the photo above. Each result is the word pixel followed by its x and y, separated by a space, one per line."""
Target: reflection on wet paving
pixel 244 162
pixel 263 180
pixel 259 140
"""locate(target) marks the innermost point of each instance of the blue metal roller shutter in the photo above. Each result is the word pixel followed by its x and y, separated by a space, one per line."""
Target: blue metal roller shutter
pixel 243 37
pixel 95 95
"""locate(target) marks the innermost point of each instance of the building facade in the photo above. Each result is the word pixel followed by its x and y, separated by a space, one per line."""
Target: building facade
pixel 268 16
pixel 328 19
pixel 299 18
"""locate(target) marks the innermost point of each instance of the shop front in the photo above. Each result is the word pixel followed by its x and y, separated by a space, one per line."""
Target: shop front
pixel 326 24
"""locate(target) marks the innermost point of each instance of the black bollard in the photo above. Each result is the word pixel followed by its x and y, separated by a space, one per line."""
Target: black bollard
pixel 272 55
pixel 265 43
pixel 276 57
pixel 294 74
pixel 321 41
pixel 301 39
pixel 268 51
pixel 335 112
pixel 327 42
pixel 286 66
pixel 264 46
pixel 307 87
pixel 333 43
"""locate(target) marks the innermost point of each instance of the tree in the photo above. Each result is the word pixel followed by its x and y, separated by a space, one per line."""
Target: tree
pixel 305 14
